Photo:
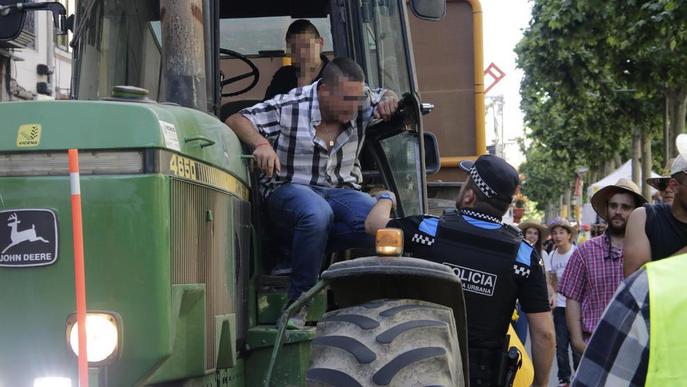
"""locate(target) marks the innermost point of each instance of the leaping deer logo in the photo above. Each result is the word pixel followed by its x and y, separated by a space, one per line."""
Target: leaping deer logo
pixel 18 237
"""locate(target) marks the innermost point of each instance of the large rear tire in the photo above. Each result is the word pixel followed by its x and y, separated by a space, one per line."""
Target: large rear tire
pixel 387 343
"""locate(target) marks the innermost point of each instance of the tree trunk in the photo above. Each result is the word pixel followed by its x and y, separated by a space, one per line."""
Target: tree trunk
pixel 610 166
pixel 677 110
pixel 636 153
pixel 666 130
pixel 183 59
pixel 551 212
pixel 595 174
pixel 565 207
pixel 646 163
pixel 617 162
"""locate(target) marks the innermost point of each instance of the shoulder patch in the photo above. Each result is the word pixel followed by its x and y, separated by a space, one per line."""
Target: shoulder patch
pixel 524 254
pixel 429 226
pixel 523 262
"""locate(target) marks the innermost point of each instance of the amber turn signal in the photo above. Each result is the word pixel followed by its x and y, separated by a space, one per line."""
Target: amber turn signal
pixel 389 242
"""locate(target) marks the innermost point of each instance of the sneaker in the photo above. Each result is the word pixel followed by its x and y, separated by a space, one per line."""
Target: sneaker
pixel 281 271
pixel 283 267
pixel 563 383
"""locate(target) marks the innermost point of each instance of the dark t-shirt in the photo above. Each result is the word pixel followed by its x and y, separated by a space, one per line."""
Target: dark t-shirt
pixel 666 234
pixel 286 79
pixel 530 285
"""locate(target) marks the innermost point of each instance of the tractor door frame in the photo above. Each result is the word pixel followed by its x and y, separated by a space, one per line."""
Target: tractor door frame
pixel 358 24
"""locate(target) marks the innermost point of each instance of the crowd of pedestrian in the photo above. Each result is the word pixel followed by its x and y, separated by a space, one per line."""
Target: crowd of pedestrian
pixel 605 285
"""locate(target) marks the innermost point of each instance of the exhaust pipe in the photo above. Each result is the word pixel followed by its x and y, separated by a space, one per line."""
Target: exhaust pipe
pixel 183 53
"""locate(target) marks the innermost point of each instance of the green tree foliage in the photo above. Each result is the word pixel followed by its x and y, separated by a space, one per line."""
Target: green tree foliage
pixel 593 72
pixel 541 184
pixel 652 44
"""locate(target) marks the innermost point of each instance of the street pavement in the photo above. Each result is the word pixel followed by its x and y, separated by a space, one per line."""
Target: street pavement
pixel 553 376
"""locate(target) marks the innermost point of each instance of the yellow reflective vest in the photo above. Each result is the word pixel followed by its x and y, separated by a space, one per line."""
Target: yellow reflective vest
pixel 668 322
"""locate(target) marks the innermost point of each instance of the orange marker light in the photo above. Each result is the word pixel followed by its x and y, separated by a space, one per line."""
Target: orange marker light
pixel 389 242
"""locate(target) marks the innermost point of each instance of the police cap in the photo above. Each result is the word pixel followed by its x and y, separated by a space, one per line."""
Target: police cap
pixel 493 176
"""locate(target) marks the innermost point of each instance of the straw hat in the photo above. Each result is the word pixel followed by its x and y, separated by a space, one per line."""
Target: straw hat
pixel 600 198
pixel 543 232
pixel 562 222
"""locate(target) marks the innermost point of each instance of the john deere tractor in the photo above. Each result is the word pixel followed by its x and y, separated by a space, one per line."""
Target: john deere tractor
pixel 177 255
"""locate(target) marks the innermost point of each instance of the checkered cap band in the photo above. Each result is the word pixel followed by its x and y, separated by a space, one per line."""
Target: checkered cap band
pixel 481 184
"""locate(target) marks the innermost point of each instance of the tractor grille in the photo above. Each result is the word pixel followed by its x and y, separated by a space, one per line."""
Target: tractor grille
pixel 203 250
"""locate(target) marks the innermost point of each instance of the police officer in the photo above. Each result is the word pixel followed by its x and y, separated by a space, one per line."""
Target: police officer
pixel 497 267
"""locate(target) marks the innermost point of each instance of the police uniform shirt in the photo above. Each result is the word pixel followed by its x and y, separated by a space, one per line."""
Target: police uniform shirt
pixel 487 318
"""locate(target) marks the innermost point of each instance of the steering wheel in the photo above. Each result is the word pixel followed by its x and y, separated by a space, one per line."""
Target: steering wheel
pixel 255 73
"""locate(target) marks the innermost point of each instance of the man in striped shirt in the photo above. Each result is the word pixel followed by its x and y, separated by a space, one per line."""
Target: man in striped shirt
pixel 306 144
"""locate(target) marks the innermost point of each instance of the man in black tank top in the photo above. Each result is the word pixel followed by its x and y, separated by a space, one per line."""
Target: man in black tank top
pixel 659 231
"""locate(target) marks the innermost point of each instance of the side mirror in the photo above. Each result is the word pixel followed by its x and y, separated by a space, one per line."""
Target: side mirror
pixel 11 20
pixel 432 10
pixel 13 13
pixel 432 159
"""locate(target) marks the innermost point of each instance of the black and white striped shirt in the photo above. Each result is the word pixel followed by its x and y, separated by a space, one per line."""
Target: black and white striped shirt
pixel 288 122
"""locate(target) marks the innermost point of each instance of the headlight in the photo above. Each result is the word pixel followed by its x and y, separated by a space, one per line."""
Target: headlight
pixel 102 336
pixel 52 381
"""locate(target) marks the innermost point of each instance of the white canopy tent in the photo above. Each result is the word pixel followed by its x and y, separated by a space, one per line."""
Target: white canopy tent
pixel 625 171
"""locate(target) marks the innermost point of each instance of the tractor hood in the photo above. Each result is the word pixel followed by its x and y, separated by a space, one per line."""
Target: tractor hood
pixel 92 125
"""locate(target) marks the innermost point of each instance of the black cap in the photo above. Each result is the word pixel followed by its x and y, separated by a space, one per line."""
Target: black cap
pixel 493 176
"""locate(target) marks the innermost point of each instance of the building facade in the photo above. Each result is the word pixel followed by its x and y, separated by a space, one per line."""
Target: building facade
pixel 37 64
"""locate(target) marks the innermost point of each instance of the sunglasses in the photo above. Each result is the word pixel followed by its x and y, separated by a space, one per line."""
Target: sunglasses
pixel 661 185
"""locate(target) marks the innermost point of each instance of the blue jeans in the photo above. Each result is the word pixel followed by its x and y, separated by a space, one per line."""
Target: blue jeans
pixel 316 220
pixel 562 345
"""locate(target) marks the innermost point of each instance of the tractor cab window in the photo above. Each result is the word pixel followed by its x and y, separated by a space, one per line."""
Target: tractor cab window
pixel 258 42
pixel 384 54
pixel 385 57
pixel 403 152
pixel 116 46
pixel 250 36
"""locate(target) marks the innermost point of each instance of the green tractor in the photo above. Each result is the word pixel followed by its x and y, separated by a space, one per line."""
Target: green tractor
pixel 178 282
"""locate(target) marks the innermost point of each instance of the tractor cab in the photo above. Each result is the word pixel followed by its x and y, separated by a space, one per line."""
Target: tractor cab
pixel 230 58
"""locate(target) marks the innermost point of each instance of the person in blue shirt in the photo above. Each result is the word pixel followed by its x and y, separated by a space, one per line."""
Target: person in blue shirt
pixel 495 265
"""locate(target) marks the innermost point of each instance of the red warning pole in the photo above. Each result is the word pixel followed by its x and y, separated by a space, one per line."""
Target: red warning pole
pixel 79 271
